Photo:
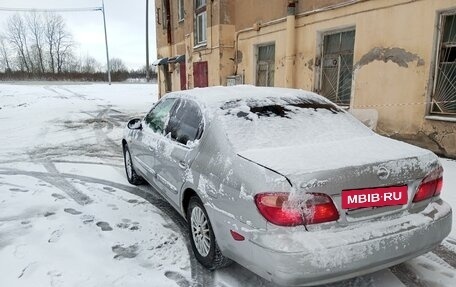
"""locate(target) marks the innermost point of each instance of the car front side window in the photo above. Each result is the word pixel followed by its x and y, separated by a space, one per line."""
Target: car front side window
pixel 158 117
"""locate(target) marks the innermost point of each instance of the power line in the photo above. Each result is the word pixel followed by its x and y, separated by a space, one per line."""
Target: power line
pixel 87 9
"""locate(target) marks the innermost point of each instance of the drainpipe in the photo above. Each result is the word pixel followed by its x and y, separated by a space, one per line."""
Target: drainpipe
pixel 290 44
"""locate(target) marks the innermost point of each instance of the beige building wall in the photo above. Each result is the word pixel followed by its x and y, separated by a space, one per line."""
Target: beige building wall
pixel 394 55
pixel 218 50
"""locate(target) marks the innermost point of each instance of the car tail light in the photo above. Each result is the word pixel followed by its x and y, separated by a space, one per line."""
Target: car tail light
pixel 430 186
pixel 316 208
pixel 439 186
pixel 320 208
pixel 273 207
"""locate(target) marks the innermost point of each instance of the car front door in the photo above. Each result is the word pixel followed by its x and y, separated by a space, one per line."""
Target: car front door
pixel 176 151
pixel 153 129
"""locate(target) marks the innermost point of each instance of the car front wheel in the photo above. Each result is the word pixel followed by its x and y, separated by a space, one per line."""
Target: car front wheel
pixel 202 237
pixel 132 176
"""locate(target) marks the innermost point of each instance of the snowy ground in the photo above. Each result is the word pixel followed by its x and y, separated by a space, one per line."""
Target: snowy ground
pixel 68 217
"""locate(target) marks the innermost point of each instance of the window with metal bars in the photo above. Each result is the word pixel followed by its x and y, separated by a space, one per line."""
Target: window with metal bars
pixel 443 101
pixel 337 66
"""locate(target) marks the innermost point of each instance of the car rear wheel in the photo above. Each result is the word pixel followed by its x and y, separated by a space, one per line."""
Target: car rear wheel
pixel 132 176
pixel 202 237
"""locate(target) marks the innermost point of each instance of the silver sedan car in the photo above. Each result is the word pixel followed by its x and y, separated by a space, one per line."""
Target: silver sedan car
pixel 287 184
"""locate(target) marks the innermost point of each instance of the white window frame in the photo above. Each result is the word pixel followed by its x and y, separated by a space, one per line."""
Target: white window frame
pixel 200 21
pixel 180 10
pixel 257 61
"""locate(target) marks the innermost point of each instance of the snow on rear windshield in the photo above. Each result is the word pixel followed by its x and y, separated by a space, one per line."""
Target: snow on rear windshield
pixel 278 122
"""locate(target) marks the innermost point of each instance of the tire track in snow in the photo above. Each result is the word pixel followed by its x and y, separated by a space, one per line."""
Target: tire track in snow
pixel 87 162
pixel 80 96
pixel 446 254
pixel 101 135
pixel 407 276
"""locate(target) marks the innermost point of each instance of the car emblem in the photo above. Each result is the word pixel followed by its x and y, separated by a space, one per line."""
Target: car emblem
pixel 383 173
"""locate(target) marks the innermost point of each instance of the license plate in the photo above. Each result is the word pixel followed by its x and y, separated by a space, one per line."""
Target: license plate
pixel 374 197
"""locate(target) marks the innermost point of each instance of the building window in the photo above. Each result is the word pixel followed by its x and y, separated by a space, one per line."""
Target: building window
pixel 265 65
pixel 200 22
pixel 337 66
pixel 181 11
pixel 443 100
pixel 164 15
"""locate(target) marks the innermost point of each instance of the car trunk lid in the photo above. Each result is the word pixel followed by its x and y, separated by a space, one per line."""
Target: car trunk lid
pixel 376 163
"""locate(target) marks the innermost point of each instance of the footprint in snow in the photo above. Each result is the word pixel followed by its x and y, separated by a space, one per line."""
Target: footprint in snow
pixel 72 211
pixel 110 189
pixel 55 278
pixel 126 224
pixel 58 196
pixel 125 252
pixel 55 236
pixel 49 213
pixel 87 218
pixel 104 226
pixel 113 206
pixel 18 189
pixel 123 225
pixel 178 278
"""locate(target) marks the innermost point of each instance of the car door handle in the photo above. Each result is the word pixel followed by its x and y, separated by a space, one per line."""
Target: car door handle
pixel 183 164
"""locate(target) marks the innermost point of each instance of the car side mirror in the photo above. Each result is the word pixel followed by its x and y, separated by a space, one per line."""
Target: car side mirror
pixel 134 124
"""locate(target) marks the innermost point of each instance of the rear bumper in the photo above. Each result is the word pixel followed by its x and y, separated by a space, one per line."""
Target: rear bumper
pixel 307 258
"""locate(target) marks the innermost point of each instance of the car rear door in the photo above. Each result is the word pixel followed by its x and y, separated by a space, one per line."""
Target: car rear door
pixel 176 151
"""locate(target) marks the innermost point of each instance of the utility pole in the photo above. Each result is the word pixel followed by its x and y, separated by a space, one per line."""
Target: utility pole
pixel 147 42
pixel 106 41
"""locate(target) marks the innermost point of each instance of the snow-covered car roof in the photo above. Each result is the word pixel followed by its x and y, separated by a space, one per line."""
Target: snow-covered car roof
pixel 265 117
pixel 217 97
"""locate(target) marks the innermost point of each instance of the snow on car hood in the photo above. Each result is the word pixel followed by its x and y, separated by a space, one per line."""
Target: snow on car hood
pixel 293 161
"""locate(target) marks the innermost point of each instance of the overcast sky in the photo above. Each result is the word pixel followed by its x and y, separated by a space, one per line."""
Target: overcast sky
pixel 125 20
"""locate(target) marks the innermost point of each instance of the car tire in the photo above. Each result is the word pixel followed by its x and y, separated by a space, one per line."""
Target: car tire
pixel 202 237
pixel 132 176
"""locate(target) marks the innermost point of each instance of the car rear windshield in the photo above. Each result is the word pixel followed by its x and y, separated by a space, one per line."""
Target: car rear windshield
pixel 288 121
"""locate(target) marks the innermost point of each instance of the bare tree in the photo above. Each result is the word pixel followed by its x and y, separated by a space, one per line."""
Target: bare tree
pixel 17 36
pixel 4 53
pixel 117 65
pixel 59 42
pixel 63 48
pixel 90 65
pixel 50 31
pixel 37 27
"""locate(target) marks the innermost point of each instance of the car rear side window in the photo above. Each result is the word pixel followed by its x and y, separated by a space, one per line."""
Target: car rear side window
pixel 157 118
pixel 186 122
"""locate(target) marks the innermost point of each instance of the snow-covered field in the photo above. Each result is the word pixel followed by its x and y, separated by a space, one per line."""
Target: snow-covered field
pixel 68 217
